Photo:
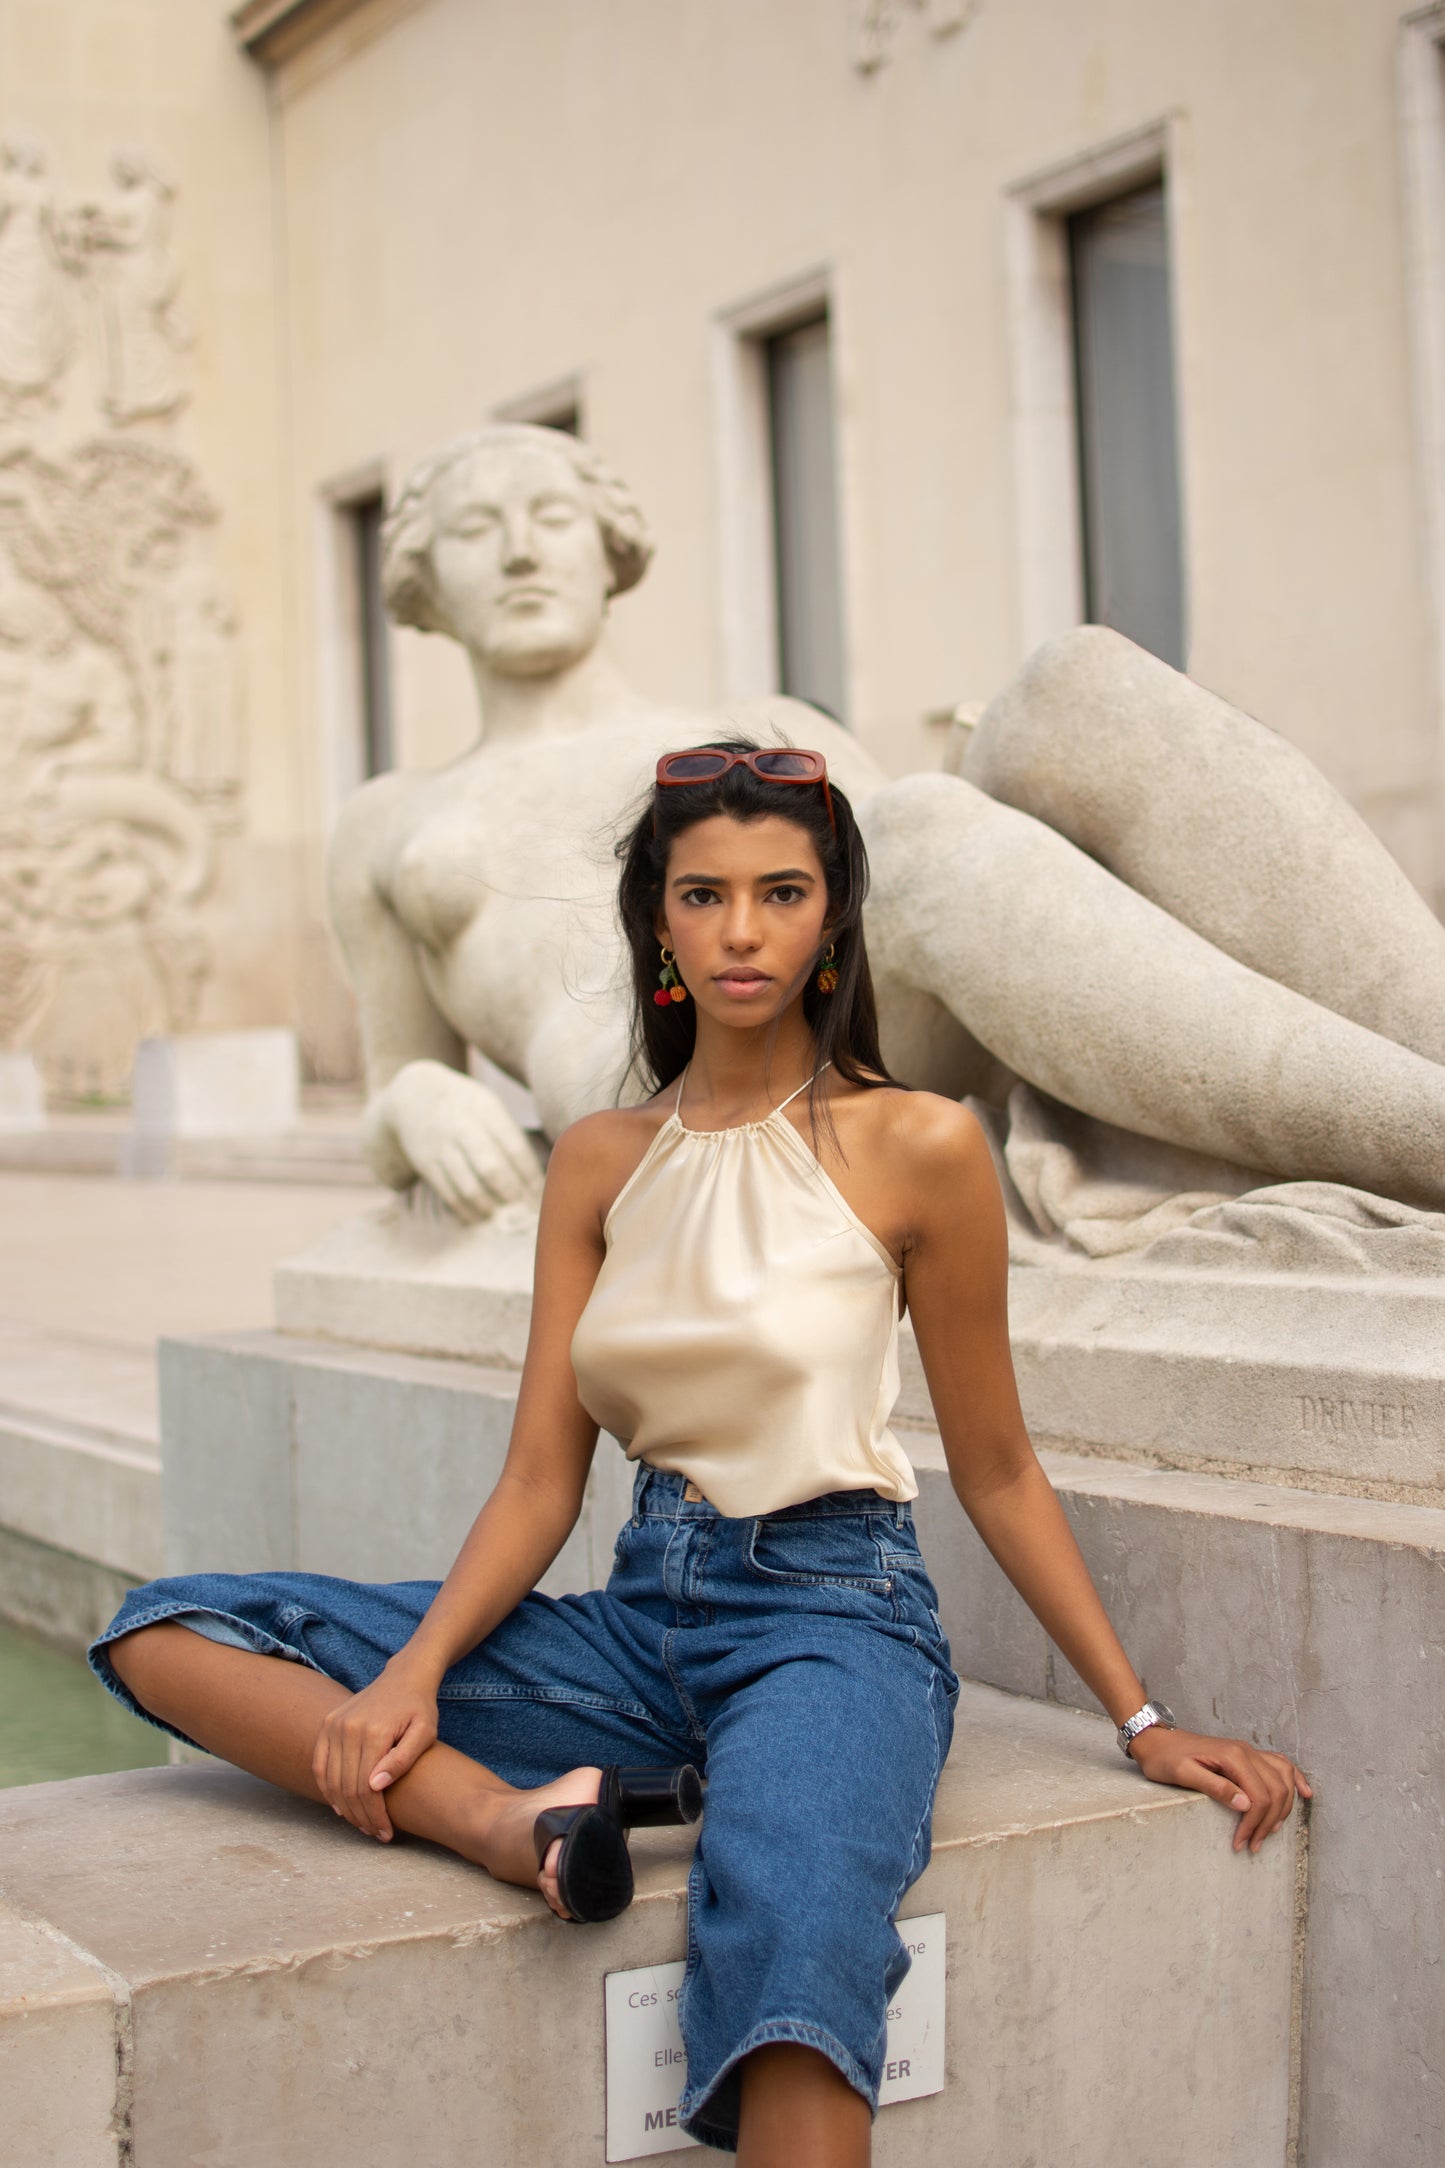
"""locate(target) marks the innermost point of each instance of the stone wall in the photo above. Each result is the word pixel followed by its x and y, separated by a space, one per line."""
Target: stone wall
pixel 239 288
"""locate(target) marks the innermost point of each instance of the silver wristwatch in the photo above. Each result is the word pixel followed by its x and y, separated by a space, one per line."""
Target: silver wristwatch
pixel 1153 1712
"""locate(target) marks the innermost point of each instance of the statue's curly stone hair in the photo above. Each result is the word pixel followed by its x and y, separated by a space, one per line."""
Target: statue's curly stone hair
pixel 408 531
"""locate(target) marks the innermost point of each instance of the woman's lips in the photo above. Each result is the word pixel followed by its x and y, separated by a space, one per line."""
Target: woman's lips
pixel 741 984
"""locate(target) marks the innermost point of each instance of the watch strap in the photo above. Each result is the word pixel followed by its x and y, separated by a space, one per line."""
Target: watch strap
pixel 1152 1713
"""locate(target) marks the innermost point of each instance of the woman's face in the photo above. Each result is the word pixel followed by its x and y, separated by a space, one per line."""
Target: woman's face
pixel 521 574
pixel 744 908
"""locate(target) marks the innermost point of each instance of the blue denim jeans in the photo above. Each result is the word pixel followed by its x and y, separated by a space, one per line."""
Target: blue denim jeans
pixel 797 1658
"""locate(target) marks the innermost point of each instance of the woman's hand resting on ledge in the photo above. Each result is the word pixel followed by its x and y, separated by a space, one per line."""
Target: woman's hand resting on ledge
pixel 1259 1785
pixel 372 1739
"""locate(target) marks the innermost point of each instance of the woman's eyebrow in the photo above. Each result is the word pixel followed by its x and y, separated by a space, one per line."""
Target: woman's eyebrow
pixel 720 880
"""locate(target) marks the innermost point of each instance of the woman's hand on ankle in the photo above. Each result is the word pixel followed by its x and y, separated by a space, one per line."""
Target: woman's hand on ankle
pixel 366 1743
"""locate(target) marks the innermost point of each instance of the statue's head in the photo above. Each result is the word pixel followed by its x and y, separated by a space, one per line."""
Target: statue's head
pixel 513 540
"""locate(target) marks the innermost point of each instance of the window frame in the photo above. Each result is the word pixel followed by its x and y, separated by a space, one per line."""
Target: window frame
pixel 751 664
pixel 1045 418
pixel 341 673
pixel 557 404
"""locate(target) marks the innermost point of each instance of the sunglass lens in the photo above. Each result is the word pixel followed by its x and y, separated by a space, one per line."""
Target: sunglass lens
pixel 696 767
pixel 784 764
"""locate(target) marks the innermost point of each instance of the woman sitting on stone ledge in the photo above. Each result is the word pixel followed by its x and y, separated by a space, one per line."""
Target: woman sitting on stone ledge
pixel 720 1276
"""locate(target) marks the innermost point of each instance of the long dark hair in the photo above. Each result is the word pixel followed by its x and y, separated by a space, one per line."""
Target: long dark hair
pixel 844 1023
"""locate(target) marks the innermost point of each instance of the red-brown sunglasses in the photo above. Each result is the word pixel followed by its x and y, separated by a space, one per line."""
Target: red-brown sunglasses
pixel 771 764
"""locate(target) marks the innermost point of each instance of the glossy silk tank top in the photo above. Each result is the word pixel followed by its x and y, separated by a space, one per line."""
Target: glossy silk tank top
pixel 743 1328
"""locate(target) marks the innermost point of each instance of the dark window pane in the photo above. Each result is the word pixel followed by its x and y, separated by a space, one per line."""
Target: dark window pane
pixel 374 676
pixel 1128 458
pixel 805 508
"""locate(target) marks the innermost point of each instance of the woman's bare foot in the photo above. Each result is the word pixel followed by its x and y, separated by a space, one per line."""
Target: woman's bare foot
pixel 505 1818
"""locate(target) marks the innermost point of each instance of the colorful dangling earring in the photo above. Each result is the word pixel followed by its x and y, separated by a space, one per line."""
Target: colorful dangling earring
pixel 671 988
pixel 828 976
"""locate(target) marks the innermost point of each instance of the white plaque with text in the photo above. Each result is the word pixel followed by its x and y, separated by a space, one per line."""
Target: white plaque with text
pixel 646 2064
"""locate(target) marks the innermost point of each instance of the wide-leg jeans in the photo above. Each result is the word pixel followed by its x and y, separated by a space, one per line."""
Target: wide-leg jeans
pixel 796 1657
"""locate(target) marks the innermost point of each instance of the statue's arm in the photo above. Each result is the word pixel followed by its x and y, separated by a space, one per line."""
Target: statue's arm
pixel 400 1022
pixel 426 1118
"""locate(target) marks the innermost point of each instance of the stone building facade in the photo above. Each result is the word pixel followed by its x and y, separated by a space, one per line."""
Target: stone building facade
pixel 922 329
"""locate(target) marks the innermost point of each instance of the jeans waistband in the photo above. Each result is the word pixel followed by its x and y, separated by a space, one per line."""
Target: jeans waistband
pixel 661 1494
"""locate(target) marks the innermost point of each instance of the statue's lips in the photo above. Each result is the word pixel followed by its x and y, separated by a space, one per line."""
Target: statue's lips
pixel 529 594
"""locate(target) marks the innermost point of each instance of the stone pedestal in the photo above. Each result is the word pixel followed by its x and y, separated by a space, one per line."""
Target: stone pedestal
pixel 22 1092
pixel 1328 1382
pixel 210 1084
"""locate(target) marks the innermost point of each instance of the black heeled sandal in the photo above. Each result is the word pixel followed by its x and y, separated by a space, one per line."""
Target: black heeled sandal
pixel 594 1867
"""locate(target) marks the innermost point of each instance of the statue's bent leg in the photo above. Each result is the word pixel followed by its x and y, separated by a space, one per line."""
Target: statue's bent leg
pixel 1100 998
pixel 1222 823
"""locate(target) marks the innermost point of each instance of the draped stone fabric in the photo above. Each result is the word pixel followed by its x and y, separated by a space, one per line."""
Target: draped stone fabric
pixel 1080 1191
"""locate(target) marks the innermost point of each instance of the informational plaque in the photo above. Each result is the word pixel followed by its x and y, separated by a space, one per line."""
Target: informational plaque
pixel 646 2065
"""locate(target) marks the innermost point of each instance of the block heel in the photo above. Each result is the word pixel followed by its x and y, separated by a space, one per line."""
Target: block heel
pixel 594 1868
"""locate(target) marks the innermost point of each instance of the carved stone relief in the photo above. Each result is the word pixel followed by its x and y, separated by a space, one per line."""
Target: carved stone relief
pixel 121 724
pixel 877 21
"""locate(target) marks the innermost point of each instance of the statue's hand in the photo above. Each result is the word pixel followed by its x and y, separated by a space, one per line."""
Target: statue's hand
pixel 431 1121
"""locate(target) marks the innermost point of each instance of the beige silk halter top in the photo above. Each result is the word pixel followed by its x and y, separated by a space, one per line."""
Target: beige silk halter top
pixel 743 1327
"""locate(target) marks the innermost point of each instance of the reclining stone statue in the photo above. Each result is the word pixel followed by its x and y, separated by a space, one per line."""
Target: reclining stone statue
pixel 1183 981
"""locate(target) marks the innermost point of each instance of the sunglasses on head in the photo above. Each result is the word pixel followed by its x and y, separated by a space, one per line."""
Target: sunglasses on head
pixel 771 764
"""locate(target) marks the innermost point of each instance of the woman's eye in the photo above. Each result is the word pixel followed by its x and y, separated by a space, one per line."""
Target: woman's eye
pixel 785 892
pixel 693 895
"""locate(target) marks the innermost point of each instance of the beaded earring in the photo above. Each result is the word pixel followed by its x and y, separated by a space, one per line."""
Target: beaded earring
pixel 828 976
pixel 671 988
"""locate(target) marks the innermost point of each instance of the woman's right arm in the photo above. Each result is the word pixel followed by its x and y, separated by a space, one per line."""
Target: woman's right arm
pixel 375 1736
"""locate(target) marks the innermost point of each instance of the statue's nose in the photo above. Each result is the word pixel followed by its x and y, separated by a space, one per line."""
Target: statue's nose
pixel 519 547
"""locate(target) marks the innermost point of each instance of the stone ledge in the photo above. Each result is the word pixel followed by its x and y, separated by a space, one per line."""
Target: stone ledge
pixel 279 1991
pixel 1317 1380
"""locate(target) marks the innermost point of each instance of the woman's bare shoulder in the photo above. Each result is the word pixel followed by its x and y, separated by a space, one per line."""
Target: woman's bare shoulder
pixel 595 1155
pixel 932 1130
pixel 931 1145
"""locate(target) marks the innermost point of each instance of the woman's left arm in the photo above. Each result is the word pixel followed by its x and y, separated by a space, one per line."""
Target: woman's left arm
pixel 957 1281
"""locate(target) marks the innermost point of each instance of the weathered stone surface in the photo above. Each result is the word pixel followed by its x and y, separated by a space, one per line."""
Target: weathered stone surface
pixel 77 1489
pixel 409 1275
pixel 1320 1378
pixel 302 1999
pixel 59 2033
pixel 22 1091
pixel 286 1452
pixel 217 1084
pixel 1313 1624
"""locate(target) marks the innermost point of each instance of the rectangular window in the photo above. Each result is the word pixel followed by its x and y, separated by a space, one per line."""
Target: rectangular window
pixel 1127 435
pixel 372 676
pixel 802 438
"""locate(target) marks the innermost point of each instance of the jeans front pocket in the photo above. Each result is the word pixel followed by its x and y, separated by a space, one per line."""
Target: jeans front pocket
pixel 818 1551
